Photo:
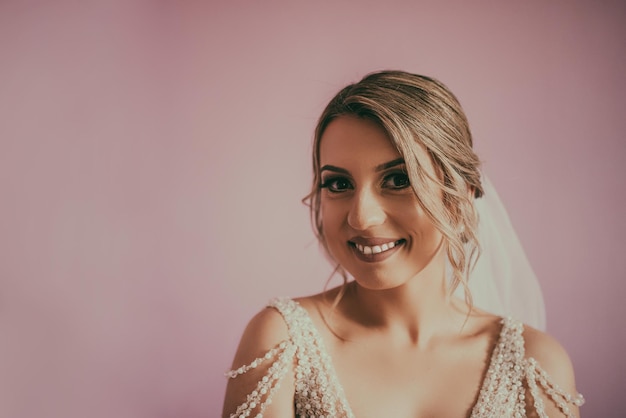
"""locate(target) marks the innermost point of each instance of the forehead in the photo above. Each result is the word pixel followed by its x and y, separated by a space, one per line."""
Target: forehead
pixel 350 140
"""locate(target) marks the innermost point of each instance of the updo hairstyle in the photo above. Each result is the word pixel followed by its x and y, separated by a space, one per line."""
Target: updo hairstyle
pixel 417 112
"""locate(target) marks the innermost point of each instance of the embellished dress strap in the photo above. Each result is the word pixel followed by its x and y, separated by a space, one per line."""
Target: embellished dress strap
pixel 538 379
pixel 317 391
pixel 503 393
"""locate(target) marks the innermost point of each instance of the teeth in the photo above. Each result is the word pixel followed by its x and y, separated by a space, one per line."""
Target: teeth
pixel 376 249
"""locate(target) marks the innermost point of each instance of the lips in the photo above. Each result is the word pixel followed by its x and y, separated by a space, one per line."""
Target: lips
pixel 374 249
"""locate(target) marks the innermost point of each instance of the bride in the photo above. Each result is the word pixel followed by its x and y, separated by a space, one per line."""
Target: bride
pixel 393 206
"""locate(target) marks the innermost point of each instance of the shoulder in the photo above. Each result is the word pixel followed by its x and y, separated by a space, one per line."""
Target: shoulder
pixel 265 330
pixel 259 348
pixel 550 357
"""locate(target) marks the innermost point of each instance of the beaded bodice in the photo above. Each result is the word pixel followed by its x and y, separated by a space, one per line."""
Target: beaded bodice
pixel 319 394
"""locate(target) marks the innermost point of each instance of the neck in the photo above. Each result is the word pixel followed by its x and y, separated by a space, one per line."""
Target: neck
pixel 415 312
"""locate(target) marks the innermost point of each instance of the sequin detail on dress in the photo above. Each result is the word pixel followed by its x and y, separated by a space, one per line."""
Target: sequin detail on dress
pixel 318 392
pixel 502 393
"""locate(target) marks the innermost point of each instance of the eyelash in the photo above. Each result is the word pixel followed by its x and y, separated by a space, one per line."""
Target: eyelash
pixel 395 174
pixel 329 182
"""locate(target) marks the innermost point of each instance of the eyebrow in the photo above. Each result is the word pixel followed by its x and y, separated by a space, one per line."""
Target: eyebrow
pixel 392 163
pixel 380 167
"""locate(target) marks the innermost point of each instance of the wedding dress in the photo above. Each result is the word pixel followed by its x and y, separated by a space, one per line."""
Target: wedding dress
pixel 502 282
pixel 319 394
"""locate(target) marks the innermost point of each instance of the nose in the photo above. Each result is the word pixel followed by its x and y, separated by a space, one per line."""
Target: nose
pixel 366 211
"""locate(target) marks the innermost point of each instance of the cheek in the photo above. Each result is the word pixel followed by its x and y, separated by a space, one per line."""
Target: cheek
pixel 416 220
pixel 332 221
pixel 427 234
pixel 329 218
pixel 408 211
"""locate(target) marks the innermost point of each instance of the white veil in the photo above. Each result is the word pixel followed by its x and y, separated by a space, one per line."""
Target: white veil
pixel 502 281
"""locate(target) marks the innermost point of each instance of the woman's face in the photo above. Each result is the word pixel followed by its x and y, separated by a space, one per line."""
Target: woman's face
pixel 374 227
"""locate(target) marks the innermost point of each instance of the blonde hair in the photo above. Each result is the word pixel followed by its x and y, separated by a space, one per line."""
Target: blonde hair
pixel 417 112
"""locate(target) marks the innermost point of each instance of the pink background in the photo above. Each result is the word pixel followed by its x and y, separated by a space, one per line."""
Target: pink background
pixel 153 156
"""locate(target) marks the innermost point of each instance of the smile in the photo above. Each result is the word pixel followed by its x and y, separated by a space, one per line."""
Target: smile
pixel 376 249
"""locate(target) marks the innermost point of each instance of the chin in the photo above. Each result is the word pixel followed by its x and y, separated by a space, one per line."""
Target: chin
pixel 381 274
pixel 388 281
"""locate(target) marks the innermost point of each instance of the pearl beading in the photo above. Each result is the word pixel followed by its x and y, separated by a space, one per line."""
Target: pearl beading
pixel 318 393
pixel 503 393
pixel 535 374
pixel 261 396
pixel 317 389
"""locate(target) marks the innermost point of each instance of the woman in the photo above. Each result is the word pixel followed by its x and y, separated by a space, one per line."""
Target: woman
pixel 395 179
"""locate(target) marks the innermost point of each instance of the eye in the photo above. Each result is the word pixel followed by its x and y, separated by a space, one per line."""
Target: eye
pixel 396 180
pixel 337 184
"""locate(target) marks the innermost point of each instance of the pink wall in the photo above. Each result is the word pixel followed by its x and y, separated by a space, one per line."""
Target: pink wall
pixel 153 157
